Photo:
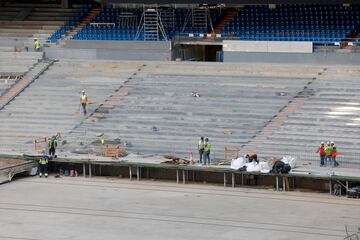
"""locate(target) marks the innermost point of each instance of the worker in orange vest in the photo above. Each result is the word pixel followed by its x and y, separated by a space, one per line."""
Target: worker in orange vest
pixel 321 151
pixel 334 153
pixel 83 101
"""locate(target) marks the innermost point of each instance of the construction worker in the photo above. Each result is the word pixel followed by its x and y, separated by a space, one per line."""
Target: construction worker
pixel 334 153
pixel 207 148
pixel 52 147
pixel 321 151
pixel 83 101
pixel 328 151
pixel 200 148
pixel 252 156
pixel 43 166
pixel 37 45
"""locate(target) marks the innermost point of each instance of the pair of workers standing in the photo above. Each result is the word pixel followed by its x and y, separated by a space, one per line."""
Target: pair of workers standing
pixel 204 147
pixel 328 154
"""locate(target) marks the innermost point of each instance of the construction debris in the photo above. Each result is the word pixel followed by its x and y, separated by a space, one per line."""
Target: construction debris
pixel 175 160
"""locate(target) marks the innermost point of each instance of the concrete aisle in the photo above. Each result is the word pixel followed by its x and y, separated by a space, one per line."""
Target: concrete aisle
pixel 100 208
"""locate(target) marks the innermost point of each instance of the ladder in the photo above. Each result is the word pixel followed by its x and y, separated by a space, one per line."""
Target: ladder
pixel 151 25
pixel 199 17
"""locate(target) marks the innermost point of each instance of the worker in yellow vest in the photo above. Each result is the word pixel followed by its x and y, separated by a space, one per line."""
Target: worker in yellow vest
pixel 207 148
pixel 37 45
pixel 43 166
pixel 83 101
pixel 52 147
pixel 328 151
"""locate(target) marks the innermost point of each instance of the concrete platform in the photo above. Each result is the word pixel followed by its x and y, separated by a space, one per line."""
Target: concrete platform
pixel 108 208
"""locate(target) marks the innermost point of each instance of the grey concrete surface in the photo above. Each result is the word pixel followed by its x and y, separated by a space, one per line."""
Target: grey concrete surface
pixel 92 209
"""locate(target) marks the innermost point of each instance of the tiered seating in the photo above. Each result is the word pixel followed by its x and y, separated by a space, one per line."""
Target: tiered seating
pixel 72 22
pixel 316 23
pixel 51 103
pixel 20 23
pixel 116 30
pixel 331 114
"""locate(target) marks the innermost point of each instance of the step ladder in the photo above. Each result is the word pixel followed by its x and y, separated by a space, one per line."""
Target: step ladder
pixel 199 17
pixel 151 30
pixel 151 25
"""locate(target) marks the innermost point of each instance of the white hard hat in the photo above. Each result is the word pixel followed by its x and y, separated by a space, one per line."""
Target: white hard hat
pixel 332 142
pixel 83 91
pixel 328 143
pixel 35 38
pixel 322 143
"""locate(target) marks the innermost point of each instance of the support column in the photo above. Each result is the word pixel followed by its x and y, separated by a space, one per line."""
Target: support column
pixel 130 173
pixel 233 180
pixel 177 176
pixel 84 170
pixel 330 186
pixel 277 183
pixel 89 169
pixel 242 179
pixel 224 179
pixel 184 176
pixel 284 186
pixel 138 173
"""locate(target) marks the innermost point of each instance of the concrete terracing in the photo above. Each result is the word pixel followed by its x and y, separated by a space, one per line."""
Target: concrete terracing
pixel 51 103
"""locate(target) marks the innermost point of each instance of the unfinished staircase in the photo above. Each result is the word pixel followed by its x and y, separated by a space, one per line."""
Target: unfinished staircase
pixel 87 19
pixel 231 13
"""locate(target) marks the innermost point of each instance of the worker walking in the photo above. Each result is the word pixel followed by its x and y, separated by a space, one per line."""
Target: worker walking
pixel 207 148
pixel 52 146
pixel 83 101
pixel 43 166
pixel 334 153
pixel 200 148
pixel 328 151
pixel 321 151
pixel 37 45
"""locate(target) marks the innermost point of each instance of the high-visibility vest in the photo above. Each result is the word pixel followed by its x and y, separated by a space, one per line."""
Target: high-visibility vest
pixel 251 154
pixel 43 160
pixel 201 145
pixel 37 44
pixel 334 151
pixel 207 147
pixel 53 143
pixel 322 150
pixel 83 98
pixel 328 150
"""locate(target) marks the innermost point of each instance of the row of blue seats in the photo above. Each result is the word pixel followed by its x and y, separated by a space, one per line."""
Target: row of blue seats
pixel 55 36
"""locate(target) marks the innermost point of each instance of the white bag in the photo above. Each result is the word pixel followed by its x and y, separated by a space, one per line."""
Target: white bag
pixel 237 163
pixel 252 167
pixel 289 160
pixel 264 167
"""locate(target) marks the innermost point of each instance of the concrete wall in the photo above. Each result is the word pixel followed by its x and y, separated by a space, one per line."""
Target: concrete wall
pixel 313 58
pixel 267 46
pixel 112 50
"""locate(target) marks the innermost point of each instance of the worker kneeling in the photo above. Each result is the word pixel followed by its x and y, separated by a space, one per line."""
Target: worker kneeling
pixel 43 166
pixel 251 156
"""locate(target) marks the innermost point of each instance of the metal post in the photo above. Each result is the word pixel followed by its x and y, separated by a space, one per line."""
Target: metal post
pixel 233 180
pixel 224 179
pixel 89 169
pixel 284 187
pixel 242 179
pixel 330 186
pixel 138 173
pixel 184 175
pixel 84 170
pixel 193 172
pixel 277 183
pixel 177 176
pixel 130 173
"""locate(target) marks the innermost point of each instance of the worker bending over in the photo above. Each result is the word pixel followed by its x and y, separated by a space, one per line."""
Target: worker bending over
pixel 83 101
pixel 252 156
pixel 43 166
pixel 52 147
